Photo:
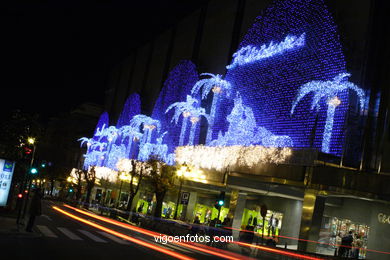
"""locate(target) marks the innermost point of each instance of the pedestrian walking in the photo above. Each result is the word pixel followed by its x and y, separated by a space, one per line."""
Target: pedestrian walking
pixel 35 209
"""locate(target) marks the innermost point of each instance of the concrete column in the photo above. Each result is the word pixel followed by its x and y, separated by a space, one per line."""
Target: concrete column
pixel 237 204
pixel 190 208
pixel 291 223
pixel 312 212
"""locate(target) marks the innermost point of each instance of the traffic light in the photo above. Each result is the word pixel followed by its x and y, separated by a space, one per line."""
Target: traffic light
pixel 70 190
pixel 27 150
pixel 33 171
pixel 220 201
pixel 43 165
pixel 20 195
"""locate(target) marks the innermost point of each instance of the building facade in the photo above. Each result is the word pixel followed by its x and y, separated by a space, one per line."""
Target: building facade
pixel 319 192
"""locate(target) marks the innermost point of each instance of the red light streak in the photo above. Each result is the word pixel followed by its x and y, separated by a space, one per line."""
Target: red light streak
pixel 211 250
pixel 281 252
pixel 131 239
pixel 312 241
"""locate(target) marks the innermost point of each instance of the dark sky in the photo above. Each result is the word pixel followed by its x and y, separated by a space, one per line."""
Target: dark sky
pixel 55 54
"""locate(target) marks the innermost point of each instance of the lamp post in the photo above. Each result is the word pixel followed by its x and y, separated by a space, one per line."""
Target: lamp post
pixel 183 171
pixel 27 179
pixel 123 177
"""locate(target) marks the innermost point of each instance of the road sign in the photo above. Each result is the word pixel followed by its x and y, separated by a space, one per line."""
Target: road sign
pixel 185 197
pixel 263 211
pixel 6 172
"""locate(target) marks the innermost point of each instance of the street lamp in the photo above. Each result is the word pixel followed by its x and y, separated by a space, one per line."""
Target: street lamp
pixel 27 179
pixel 181 173
pixel 123 177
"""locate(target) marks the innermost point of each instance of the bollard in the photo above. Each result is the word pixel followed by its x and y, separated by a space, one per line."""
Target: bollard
pixel 285 245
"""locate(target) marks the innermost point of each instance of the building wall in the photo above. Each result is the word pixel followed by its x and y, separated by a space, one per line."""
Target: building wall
pixel 184 41
pixel 155 79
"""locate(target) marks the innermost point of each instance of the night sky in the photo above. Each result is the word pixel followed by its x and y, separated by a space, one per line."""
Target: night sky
pixel 56 54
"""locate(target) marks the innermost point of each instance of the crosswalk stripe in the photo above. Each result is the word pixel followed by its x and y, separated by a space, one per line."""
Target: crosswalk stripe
pixel 46 231
pixel 92 236
pixel 113 238
pixel 69 234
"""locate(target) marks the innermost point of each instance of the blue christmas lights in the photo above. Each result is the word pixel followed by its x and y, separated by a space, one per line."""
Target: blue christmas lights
pixel 131 108
pixel 176 87
pixel 328 91
pixel 217 85
pixel 269 85
pixel 267 96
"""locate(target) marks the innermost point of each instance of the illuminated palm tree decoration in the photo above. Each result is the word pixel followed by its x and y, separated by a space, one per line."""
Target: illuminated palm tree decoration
pixel 111 134
pixel 196 113
pixel 149 124
pixel 132 134
pixel 183 108
pixel 217 85
pixel 328 90
pixel 94 152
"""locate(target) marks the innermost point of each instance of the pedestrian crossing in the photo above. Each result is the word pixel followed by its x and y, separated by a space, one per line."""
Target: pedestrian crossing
pixel 79 235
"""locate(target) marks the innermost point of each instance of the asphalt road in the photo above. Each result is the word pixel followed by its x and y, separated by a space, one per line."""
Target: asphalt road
pixel 58 236
pixel 64 232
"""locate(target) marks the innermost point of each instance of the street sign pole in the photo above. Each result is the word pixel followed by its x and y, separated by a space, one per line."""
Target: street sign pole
pixel 263 212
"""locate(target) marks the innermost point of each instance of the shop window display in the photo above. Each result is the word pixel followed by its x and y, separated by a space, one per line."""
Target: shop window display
pixel 332 228
pixel 272 223
pixel 168 209
pixel 142 206
pixel 206 213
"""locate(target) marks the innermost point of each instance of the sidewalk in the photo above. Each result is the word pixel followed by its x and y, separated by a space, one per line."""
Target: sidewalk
pixel 9 228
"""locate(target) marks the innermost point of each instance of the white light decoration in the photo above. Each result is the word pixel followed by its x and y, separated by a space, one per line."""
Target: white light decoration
pixel 116 153
pixel 249 54
pixel 221 157
pixel 217 85
pixel 147 123
pixel 106 173
pixel 186 108
pixel 327 91
pixel 124 165
pixel 94 158
pixel 243 130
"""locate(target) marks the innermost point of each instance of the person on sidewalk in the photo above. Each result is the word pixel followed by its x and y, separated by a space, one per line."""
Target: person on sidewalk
pixel 35 209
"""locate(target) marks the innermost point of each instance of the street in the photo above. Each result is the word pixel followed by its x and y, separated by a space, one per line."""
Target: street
pixel 65 232
pixel 61 237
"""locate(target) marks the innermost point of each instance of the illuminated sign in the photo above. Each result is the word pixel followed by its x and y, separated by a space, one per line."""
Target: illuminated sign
pixel 249 54
pixel 6 172
pixel 384 219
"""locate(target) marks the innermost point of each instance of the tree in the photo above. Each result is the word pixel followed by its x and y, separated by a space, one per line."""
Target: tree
pixel 79 176
pixel 327 91
pixel 90 177
pixel 137 170
pixel 217 85
pixel 162 178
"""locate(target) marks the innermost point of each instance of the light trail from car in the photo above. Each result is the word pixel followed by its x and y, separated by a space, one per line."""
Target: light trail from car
pixel 131 239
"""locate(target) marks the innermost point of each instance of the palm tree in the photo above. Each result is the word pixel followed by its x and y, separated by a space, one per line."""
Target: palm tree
pixel 196 113
pixel 132 133
pixel 328 90
pixel 182 108
pixel 149 124
pixel 217 85
pixel 111 133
